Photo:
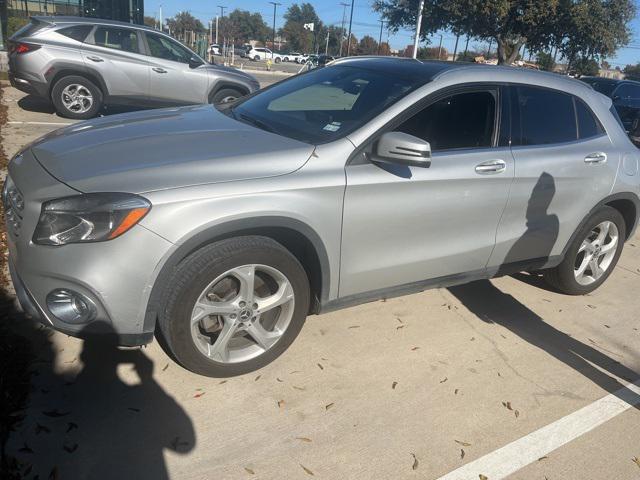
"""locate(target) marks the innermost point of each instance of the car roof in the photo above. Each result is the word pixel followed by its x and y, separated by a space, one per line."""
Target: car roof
pixel 608 80
pixel 62 20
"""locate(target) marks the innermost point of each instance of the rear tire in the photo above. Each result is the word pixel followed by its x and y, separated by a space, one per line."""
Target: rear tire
pixel 188 330
pixel 592 255
pixel 256 58
pixel 76 97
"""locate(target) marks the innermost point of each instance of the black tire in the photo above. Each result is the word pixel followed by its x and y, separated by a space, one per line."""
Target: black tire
pixel 226 95
pixel 277 60
pixel 562 277
pixel 193 275
pixel 63 111
pixel 256 58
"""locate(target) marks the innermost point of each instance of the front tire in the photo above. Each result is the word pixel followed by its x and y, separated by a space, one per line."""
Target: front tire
pixel 592 256
pixel 226 95
pixel 76 97
pixel 234 306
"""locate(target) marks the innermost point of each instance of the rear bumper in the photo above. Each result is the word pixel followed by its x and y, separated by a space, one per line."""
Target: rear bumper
pixel 31 87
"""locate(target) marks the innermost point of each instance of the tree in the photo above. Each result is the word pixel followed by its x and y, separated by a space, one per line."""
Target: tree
pixel 299 38
pixel 244 26
pixel 150 21
pixel 545 62
pixel 184 22
pixel 385 49
pixel 367 46
pixel 584 66
pixel 632 72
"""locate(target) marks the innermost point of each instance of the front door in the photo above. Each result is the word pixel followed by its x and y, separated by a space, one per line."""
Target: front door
pixel 410 224
pixel 172 80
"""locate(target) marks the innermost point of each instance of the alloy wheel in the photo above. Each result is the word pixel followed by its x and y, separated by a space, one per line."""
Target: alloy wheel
pixel 77 98
pixel 242 313
pixel 596 253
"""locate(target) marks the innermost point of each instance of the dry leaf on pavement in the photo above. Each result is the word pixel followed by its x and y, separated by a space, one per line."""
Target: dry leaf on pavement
pixel 415 462
pixel 306 470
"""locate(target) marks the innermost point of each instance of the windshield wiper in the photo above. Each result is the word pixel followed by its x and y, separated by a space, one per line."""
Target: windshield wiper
pixel 255 122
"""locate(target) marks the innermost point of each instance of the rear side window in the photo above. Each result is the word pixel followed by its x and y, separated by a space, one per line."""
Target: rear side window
pixel 545 117
pixel 462 120
pixel 77 32
pixel 117 38
pixel 588 124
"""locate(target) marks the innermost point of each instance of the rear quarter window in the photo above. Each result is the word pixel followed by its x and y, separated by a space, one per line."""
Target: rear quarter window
pixel 77 32
pixel 588 124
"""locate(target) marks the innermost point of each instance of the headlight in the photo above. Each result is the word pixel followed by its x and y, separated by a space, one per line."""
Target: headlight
pixel 93 217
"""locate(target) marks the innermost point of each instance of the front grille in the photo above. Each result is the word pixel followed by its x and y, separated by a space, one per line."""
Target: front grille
pixel 13 206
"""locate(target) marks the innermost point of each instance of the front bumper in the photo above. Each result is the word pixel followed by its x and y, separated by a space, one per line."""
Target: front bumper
pixel 116 275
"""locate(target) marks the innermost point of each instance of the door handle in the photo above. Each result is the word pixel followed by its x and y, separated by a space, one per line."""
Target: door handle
pixel 159 70
pixel 93 58
pixel 597 157
pixel 491 167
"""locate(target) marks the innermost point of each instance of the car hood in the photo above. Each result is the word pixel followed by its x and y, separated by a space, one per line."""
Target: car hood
pixel 168 148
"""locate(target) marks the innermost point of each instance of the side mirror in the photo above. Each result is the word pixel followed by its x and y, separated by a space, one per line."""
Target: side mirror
pixel 404 149
pixel 194 62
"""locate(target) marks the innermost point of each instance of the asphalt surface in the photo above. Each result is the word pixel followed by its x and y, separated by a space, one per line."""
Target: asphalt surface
pixel 500 379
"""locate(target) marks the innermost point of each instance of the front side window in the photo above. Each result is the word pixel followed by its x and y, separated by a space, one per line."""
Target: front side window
pixel 325 104
pixel 545 117
pixel 165 48
pixel 462 120
pixel 117 38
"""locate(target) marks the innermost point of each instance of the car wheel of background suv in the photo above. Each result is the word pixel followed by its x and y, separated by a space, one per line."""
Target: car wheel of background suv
pixel 592 256
pixel 76 97
pixel 226 95
pixel 257 58
pixel 234 306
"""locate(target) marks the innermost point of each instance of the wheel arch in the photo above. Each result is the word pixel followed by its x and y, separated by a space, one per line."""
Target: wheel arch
pixel 61 71
pixel 297 237
pixel 627 203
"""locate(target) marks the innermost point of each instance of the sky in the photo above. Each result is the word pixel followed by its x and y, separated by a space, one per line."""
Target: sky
pixel 365 21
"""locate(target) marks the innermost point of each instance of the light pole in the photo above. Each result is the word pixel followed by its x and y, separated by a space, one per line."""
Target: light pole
pixel 349 36
pixel 224 49
pixel 418 28
pixel 344 14
pixel 273 44
pixel 380 39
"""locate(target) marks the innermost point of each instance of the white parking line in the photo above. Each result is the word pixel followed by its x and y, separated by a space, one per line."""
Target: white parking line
pixel 39 123
pixel 520 453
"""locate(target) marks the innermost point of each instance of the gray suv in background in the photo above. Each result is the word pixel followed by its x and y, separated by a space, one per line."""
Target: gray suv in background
pixel 81 64
pixel 220 230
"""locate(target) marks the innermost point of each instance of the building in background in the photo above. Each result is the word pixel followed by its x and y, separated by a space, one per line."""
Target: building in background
pixel 130 11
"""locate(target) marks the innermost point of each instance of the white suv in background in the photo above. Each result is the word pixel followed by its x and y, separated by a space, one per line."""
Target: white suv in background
pixel 264 54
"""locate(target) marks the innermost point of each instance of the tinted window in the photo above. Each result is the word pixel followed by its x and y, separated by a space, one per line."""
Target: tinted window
pixel 78 32
pixel 602 85
pixel 117 38
pixel 464 120
pixel 627 91
pixel 588 124
pixel 325 104
pixel 546 117
pixel 167 49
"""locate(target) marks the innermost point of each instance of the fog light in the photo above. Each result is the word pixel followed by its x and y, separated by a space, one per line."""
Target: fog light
pixel 70 306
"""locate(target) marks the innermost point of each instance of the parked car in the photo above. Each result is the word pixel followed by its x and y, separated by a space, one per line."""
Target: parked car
pixel 81 64
pixel 260 53
pixel 370 178
pixel 291 57
pixel 215 49
pixel 624 93
pixel 302 58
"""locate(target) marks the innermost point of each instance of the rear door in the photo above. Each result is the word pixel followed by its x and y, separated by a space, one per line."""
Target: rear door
pixel 403 225
pixel 172 80
pixel 115 54
pixel 565 164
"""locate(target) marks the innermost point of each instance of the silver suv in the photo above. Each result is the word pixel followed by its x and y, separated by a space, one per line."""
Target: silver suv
pixel 221 230
pixel 81 64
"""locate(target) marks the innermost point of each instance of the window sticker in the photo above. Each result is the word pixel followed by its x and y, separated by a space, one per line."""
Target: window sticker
pixel 332 127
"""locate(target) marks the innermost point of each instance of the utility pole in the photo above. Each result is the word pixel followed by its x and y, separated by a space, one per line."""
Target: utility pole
pixel 418 28
pixel 380 39
pixel 161 24
pixel 455 49
pixel 344 14
pixel 217 29
pixel 439 49
pixel 349 35
pixel 273 44
pixel 223 50
pixel 326 47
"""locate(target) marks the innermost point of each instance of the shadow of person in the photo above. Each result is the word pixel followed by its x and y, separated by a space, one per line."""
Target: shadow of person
pixel 118 429
pixel 492 305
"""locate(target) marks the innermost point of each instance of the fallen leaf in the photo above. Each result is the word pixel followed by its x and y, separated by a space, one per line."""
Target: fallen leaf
pixel 55 413
pixel 546 300
pixel 249 471
pixel 507 405
pixel 280 403
pixel 542 458
pixel 394 385
pixel 257 378
pixel 444 379
pixel 302 389
pixel 279 380
pixel 455 392
pixel 223 381
pixel 70 448
pixel 320 366
pixel 328 406
pixel 464 444
pixel 636 460
pixel 606 326
pixel 325 359
pixel 516 413
pixel 165 367
pixel 415 462
pixel 306 470
pixel 472 339
pixel 42 428
pixel 398 318
pixel 483 477
pixel 304 439
pixel 415 348
pixel 400 326
pixel 593 307
pixel 294 371
pixel 354 326
pixel 71 426
pixel 25 449
pixel 198 395
pixel 462 454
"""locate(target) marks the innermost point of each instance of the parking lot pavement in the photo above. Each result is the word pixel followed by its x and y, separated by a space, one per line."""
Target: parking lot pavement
pixel 500 379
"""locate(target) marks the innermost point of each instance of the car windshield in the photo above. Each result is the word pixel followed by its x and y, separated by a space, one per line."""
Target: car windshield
pixel 601 85
pixel 325 104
